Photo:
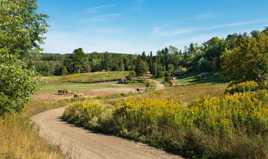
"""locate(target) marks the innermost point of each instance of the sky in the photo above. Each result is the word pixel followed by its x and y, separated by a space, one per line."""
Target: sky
pixel 133 26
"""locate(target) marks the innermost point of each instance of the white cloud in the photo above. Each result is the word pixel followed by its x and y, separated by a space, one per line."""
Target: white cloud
pixel 162 31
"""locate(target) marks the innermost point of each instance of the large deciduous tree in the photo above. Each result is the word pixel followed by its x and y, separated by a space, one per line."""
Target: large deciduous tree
pixel 21 31
pixel 21 27
pixel 77 62
pixel 248 60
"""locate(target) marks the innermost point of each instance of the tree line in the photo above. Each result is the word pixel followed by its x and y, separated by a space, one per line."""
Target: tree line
pixel 81 62
pixel 237 57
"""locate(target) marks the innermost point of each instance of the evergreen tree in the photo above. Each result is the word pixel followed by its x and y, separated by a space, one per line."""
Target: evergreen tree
pixel 140 67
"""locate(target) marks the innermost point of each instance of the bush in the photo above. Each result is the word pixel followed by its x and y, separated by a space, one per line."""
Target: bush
pixel 150 85
pixel 16 83
pixel 89 114
pixel 242 87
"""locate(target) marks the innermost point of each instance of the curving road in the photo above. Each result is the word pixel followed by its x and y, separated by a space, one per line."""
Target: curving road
pixel 79 143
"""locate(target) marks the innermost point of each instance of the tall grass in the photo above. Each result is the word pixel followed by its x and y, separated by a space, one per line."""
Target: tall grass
pixel 19 140
pixel 19 137
pixel 233 126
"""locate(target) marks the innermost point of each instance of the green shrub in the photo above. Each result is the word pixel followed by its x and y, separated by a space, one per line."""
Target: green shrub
pixel 150 85
pixel 16 83
pixel 89 114
pixel 242 87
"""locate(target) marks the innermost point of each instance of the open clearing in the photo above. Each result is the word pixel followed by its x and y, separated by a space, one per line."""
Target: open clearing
pixel 79 143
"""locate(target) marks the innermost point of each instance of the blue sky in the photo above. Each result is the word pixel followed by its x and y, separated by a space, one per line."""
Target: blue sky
pixel 133 26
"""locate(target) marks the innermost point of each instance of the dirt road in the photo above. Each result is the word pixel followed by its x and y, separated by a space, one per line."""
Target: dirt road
pixel 79 143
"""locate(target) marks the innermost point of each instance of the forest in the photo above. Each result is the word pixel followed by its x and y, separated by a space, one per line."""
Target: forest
pixel 220 56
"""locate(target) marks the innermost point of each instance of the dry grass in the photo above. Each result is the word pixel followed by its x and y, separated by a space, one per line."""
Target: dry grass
pixel 19 140
pixel 190 93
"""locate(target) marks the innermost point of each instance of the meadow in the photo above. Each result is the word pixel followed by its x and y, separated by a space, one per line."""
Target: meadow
pixel 83 82
pixel 194 120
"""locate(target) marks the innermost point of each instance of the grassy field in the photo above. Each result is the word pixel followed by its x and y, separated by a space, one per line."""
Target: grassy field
pixel 189 93
pixel 94 77
pixel 192 79
pixel 82 83
pixel 195 119
pixel 191 87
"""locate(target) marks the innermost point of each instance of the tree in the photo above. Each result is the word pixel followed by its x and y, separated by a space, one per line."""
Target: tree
pixel 248 60
pixel 60 70
pixel 213 51
pixel 77 62
pixel 21 27
pixel 21 31
pixel 140 67
pixel 16 83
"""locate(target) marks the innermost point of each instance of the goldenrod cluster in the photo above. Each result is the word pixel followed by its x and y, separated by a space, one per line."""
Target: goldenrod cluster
pixel 211 127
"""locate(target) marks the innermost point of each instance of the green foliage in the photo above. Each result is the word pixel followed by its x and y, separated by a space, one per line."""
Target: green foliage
pixel 77 62
pixel 248 60
pixel 21 27
pixel 89 114
pixel 17 85
pixel 150 85
pixel 131 75
pixel 238 57
pixel 168 77
pixel 141 67
pixel 242 87
pixel 21 31
pixel 57 64
pixel 233 126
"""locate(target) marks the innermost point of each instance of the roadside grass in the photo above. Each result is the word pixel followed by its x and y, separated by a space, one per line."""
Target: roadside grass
pixel 20 140
pixel 19 136
pixel 37 106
